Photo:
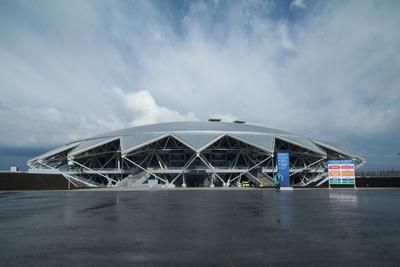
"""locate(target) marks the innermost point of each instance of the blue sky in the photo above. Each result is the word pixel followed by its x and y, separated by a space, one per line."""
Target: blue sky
pixel 323 69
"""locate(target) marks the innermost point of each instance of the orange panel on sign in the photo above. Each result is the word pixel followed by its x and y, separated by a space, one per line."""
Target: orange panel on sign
pixel 348 173
pixel 334 173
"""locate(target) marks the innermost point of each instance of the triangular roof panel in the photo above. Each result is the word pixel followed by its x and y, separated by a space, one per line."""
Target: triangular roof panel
pixel 338 150
pixel 262 141
pixel 197 141
pixel 90 144
pixel 135 141
pixel 302 142
pixel 55 151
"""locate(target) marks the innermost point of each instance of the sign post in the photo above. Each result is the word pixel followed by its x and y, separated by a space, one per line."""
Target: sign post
pixel 341 172
pixel 284 169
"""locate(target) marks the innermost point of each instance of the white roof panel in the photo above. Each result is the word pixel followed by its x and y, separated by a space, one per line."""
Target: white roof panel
pixel 338 149
pixel 90 144
pixel 55 151
pixel 135 141
pixel 262 141
pixel 197 141
pixel 302 142
pixel 194 126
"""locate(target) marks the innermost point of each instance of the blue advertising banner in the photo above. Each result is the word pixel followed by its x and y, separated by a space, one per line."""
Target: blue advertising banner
pixel 284 168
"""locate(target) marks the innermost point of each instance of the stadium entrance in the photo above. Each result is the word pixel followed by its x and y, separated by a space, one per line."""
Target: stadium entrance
pixel 197 180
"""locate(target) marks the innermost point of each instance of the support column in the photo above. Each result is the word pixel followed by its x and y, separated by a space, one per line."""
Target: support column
pixel 273 166
pixel 212 180
pixel 184 180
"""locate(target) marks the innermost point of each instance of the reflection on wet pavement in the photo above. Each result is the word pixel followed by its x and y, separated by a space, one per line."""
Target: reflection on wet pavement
pixel 205 227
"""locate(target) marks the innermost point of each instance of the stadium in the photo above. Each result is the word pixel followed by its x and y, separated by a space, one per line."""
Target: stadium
pixel 190 154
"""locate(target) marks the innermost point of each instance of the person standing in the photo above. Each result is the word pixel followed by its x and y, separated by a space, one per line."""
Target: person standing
pixel 278 180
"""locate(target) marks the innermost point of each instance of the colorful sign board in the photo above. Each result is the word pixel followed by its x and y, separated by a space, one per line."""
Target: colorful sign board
pixel 284 168
pixel 341 172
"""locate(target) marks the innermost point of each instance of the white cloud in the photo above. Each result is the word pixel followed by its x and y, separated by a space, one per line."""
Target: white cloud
pixel 285 36
pixel 298 4
pixel 48 126
pixel 28 126
pixel 143 108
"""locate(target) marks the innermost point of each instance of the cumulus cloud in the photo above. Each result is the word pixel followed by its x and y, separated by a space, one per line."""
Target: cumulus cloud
pixel 28 126
pixel 143 109
pixel 48 126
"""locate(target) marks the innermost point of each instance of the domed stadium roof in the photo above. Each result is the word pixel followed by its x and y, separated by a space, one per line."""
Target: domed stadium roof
pixel 165 151
pixel 197 135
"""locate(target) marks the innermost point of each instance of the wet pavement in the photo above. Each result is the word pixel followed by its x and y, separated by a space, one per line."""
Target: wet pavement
pixel 200 227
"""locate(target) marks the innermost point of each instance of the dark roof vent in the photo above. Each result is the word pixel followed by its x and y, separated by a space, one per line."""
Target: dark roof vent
pixel 241 122
pixel 213 119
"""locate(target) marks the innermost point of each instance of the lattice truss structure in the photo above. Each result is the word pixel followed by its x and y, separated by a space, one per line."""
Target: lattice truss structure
pixel 190 159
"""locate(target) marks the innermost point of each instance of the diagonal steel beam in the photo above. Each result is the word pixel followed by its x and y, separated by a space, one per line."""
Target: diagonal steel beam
pixel 307 166
pixel 210 166
pixel 255 166
pixel 144 169
pixel 109 180
pixel 67 176
pixel 192 158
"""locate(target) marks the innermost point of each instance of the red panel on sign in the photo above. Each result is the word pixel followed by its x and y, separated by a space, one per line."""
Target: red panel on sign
pixel 334 167
pixel 347 167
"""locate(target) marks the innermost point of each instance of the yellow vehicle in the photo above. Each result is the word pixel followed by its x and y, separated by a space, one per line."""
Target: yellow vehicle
pixel 245 184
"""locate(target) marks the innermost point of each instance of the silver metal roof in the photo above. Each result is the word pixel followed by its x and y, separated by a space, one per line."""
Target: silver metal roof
pixel 197 140
pixel 195 134
pixel 194 126
pixel 302 142
pixel 137 140
pixel 338 150
pixel 262 141
pixel 91 143
pixel 55 151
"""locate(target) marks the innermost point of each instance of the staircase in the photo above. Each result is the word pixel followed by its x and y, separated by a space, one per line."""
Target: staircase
pixel 260 179
pixel 134 181
pixel 322 181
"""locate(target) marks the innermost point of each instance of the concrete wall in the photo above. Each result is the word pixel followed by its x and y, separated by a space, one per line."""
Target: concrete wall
pixel 32 181
pixel 42 181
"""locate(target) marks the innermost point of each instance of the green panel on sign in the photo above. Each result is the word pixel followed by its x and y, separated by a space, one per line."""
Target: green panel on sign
pixel 335 181
pixel 342 181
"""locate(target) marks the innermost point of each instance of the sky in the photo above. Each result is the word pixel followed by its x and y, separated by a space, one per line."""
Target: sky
pixel 328 70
